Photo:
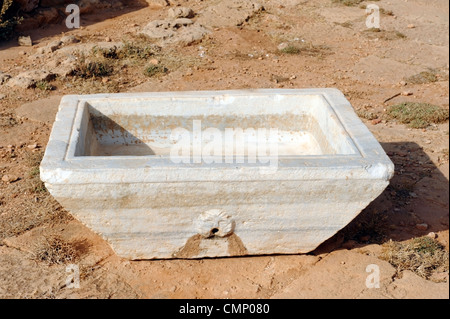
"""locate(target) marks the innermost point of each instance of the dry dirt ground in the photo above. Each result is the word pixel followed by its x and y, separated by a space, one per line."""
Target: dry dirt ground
pixel 38 239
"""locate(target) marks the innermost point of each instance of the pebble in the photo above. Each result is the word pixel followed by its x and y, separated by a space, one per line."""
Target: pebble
pixel 33 146
pixel 422 226
pixel 9 178
pixel 154 61
pixel 25 41
pixel 376 121
pixel 411 26
pixel 432 235
pixel 407 93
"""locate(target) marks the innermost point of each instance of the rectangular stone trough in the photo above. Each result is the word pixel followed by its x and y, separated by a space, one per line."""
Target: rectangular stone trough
pixel 220 173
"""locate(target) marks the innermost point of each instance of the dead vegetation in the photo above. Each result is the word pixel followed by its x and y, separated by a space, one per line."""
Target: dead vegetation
pixel 428 76
pixel 307 49
pixel 87 68
pixel 365 114
pixel 54 250
pixel 349 3
pixel 418 115
pixel 423 256
pixel 387 35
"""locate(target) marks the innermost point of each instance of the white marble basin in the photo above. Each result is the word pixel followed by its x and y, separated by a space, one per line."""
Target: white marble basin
pixel 161 175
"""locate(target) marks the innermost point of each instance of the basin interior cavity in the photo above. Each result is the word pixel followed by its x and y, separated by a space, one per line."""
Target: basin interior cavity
pixel 303 125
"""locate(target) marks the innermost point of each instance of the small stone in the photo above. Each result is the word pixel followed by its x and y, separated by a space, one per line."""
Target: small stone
pixel 432 235
pixel 407 93
pixel 293 77
pixel 33 146
pixel 69 39
pixel 4 77
pixel 9 178
pixel 154 61
pixel 2 96
pixel 411 26
pixel 25 41
pixel 403 83
pixel 108 39
pixel 422 226
pixel 376 121
pixel 22 53
pixel 180 12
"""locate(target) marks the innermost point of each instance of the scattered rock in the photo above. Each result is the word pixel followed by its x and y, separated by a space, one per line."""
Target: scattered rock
pixel 28 79
pixel 422 226
pixel 411 26
pixel 227 13
pixel 33 146
pixel 2 96
pixel 158 3
pixel 10 178
pixel 172 31
pixel 432 235
pixel 180 12
pixel 407 93
pixel 51 47
pixel 4 77
pixel 376 121
pixel 403 83
pixel 69 39
pixel 25 41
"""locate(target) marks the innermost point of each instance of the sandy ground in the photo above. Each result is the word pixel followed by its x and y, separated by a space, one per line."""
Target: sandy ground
pixel 239 53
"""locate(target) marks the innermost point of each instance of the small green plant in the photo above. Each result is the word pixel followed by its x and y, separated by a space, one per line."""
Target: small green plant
pixel 129 50
pixel 422 255
pixel 44 86
pixel 418 115
pixel 89 69
pixel 291 49
pixel 154 70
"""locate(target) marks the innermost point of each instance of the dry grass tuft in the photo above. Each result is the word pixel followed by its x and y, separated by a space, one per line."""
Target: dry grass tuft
pixel 87 68
pixel 55 251
pixel 349 3
pixel 307 49
pixel 423 256
pixel 418 115
pixel 153 70
pixel 429 76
